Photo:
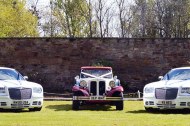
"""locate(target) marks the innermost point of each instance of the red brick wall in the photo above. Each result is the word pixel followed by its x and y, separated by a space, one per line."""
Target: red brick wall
pixel 54 62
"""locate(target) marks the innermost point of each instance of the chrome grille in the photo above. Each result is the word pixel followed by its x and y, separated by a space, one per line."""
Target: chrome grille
pixel 170 93
pixel 18 94
pixel 102 87
pixel 97 88
pixel 93 86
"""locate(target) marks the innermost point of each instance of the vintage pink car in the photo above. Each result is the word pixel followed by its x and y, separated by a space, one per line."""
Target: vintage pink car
pixel 96 85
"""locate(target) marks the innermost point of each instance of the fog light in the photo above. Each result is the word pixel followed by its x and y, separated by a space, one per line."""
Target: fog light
pixel 188 103
pixel 151 102
pixel 146 103
pixel 39 103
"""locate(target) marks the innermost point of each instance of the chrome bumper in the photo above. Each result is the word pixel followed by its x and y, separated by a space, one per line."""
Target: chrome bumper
pixel 100 98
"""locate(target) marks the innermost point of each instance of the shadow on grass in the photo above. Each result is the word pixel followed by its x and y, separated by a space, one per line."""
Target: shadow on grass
pixel 13 110
pixel 176 111
pixel 68 107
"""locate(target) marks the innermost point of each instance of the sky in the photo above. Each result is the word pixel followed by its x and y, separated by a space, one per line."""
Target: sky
pixel 42 4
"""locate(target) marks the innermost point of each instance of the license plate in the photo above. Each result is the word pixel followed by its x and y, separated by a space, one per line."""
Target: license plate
pixel 20 102
pixel 166 102
pixel 97 97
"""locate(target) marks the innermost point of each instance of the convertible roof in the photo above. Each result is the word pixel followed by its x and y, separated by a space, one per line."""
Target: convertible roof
pixel 95 67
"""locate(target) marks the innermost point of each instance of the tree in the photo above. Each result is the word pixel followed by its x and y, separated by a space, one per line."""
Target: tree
pixel 161 18
pixel 16 20
pixel 69 18
pixel 103 16
pixel 125 16
pixel 139 11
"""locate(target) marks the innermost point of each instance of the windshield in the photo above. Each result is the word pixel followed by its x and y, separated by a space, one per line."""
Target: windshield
pixel 91 73
pixel 7 74
pixel 178 74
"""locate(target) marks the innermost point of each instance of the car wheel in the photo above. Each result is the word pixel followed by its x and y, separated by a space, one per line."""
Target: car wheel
pixel 35 109
pixel 76 104
pixel 119 104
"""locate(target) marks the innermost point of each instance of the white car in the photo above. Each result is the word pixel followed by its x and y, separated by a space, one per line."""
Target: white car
pixel 171 92
pixel 18 93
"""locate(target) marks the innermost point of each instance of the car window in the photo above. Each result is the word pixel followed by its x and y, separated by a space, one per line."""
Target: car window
pixel 178 74
pixel 6 74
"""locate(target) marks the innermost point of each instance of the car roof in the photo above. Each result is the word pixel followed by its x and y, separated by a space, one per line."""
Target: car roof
pixel 7 68
pixel 96 67
pixel 181 68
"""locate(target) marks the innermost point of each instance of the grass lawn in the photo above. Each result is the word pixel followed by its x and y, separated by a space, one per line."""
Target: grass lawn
pixel 59 113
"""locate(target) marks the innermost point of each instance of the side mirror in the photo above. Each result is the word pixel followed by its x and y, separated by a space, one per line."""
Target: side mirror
pixel 77 77
pixel 115 77
pixel 160 77
pixel 25 77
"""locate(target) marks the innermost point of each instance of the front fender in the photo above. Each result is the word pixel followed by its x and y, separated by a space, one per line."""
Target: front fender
pixel 115 89
pixel 80 90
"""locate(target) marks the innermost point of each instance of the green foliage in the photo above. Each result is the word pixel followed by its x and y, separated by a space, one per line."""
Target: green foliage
pixel 71 15
pixel 160 18
pixel 102 62
pixel 16 20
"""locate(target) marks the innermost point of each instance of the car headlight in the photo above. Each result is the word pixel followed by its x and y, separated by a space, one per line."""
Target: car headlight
pixel 2 90
pixel 37 89
pixel 112 84
pixel 185 90
pixel 83 83
pixel 149 90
